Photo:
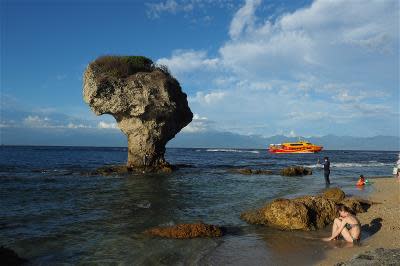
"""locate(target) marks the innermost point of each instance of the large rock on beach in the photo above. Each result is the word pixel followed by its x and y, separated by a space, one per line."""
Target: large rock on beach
pixel 322 211
pixel 296 171
pixel 301 213
pixel 184 231
pixel 146 101
pixel 287 214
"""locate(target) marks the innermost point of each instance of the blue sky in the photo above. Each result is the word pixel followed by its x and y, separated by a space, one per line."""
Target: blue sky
pixel 307 68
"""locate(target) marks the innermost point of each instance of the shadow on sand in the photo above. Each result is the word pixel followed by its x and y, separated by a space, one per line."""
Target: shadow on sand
pixel 374 226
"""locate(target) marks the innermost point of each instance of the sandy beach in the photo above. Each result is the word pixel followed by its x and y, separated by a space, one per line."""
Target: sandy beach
pixel 381 222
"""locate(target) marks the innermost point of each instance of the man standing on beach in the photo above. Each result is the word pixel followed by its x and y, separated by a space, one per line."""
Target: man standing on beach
pixel 327 170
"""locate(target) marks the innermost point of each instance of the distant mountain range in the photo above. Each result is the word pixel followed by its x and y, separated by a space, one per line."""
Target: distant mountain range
pixel 329 142
pixel 210 139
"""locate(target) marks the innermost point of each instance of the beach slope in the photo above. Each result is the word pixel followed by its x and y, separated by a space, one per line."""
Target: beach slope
pixel 381 223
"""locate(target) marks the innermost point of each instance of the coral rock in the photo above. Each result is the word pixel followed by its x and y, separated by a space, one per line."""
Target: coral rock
pixel 296 171
pixel 303 213
pixel 335 194
pixel 183 231
pixel 248 171
pixel 356 205
pixel 287 214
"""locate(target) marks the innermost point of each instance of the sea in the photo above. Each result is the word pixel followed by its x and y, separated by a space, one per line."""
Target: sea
pixel 52 212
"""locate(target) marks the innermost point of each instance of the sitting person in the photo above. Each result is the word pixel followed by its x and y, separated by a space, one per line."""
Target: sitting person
pixel 361 181
pixel 346 225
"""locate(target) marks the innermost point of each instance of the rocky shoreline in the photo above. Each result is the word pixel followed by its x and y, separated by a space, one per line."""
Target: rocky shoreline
pixel 166 168
pixel 287 171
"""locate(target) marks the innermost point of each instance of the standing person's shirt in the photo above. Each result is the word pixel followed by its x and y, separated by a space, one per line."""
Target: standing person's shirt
pixel 327 165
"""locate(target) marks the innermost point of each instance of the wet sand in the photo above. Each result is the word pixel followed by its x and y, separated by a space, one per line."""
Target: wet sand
pixel 381 223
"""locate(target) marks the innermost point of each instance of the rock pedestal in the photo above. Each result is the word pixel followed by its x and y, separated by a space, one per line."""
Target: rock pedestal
pixel 146 101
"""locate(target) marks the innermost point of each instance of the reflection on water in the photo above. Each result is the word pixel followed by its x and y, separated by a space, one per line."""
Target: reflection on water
pixel 51 213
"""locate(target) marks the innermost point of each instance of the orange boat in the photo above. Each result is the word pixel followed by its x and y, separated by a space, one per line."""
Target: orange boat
pixel 295 147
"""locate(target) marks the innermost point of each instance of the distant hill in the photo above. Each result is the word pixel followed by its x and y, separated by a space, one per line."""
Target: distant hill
pixel 214 139
pixel 330 142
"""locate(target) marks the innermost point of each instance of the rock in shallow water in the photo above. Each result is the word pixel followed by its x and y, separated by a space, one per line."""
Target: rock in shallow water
pixel 146 101
pixel 111 170
pixel 296 171
pixel 248 171
pixel 183 231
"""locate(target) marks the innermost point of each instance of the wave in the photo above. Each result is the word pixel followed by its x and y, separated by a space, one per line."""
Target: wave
pixel 231 150
pixel 352 165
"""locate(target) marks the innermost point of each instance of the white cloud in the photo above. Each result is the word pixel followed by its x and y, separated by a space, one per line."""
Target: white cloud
pixel 156 10
pixel 183 61
pixel 105 125
pixel 72 125
pixel 331 67
pixel 169 6
pixel 36 121
pixel 292 134
pixel 322 35
pixel 244 18
pixel 208 98
pixel 198 124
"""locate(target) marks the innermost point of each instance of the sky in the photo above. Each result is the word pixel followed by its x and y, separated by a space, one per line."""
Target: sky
pixel 296 68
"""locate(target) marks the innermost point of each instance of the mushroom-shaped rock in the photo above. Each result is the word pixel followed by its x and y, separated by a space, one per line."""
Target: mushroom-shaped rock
pixel 146 101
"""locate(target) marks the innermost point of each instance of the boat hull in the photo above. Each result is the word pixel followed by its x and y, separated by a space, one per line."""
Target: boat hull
pixel 286 151
pixel 295 147
pixel 274 151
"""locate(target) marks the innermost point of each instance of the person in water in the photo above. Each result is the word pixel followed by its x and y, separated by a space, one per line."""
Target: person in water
pixel 361 181
pixel 346 225
pixel 327 170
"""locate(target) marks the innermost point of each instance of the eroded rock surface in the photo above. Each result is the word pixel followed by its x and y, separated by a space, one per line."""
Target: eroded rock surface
pixel 335 194
pixel 183 231
pixel 303 213
pixel 296 171
pixel 146 101
pixel 248 171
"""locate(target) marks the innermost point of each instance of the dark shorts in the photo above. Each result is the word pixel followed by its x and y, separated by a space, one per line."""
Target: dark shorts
pixel 326 175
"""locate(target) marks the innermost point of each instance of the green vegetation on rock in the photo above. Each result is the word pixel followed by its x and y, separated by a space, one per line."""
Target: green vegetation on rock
pixel 122 66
